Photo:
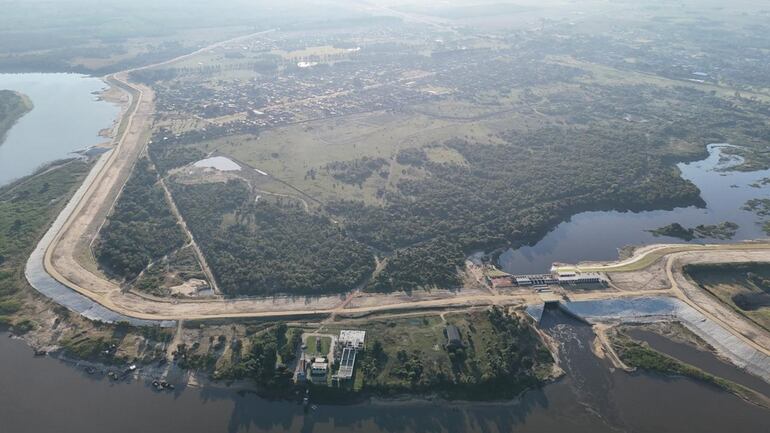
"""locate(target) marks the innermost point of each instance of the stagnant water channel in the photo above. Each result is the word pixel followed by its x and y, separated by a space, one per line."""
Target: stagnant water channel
pixel 598 235
pixel 693 356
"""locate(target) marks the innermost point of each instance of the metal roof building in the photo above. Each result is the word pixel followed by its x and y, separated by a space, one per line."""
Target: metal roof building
pixel 351 338
pixel 347 362
pixel 453 336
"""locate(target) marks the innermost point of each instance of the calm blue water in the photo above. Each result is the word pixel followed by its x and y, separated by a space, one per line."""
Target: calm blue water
pixel 66 117
pixel 599 235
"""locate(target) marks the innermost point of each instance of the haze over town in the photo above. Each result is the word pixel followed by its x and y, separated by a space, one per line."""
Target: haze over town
pixel 386 215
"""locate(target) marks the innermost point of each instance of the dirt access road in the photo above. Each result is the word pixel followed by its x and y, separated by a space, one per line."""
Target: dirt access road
pixel 67 257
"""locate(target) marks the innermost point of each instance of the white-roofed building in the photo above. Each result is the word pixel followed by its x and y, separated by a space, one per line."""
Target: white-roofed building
pixel 351 338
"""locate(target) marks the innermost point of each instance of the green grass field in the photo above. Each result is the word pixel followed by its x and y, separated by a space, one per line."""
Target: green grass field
pixel 312 344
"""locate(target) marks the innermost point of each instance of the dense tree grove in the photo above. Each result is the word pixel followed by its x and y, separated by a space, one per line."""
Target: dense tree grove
pixel 412 156
pixel 355 172
pixel 141 228
pixel 437 262
pixel 270 246
pixel 500 355
pixel 259 363
pixel 517 350
pixel 511 193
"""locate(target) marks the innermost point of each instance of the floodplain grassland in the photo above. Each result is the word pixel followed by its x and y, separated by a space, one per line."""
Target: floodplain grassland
pixel 298 154
pixel 27 208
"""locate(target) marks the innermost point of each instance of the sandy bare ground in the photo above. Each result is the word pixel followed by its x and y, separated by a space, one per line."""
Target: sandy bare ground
pixel 84 222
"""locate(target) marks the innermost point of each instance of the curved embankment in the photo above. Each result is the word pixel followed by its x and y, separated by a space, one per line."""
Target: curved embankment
pixel 40 279
pixel 647 255
pixel 655 309
pixel 37 271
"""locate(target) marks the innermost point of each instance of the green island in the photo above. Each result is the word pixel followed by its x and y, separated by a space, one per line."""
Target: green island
pixel 13 106
pixel 761 208
pixel 724 231
pixel 639 355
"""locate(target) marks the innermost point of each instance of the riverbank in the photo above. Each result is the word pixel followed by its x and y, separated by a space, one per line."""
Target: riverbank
pixel 27 208
pixel 66 117
pixel 600 235
pixel 639 355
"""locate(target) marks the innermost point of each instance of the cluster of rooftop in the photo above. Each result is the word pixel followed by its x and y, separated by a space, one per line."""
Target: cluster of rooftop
pixel 499 279
pixel 346 348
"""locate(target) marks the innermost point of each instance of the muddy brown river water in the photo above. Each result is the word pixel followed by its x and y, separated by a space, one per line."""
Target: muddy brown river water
pixel 47 395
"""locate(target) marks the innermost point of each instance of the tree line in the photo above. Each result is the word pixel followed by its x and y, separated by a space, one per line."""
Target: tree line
pixel 270 246
pixel 141 228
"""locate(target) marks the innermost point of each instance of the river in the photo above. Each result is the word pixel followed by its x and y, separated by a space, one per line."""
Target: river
pixel 44 394
pixel 67 116
pixel 693 356
pixel 598 235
